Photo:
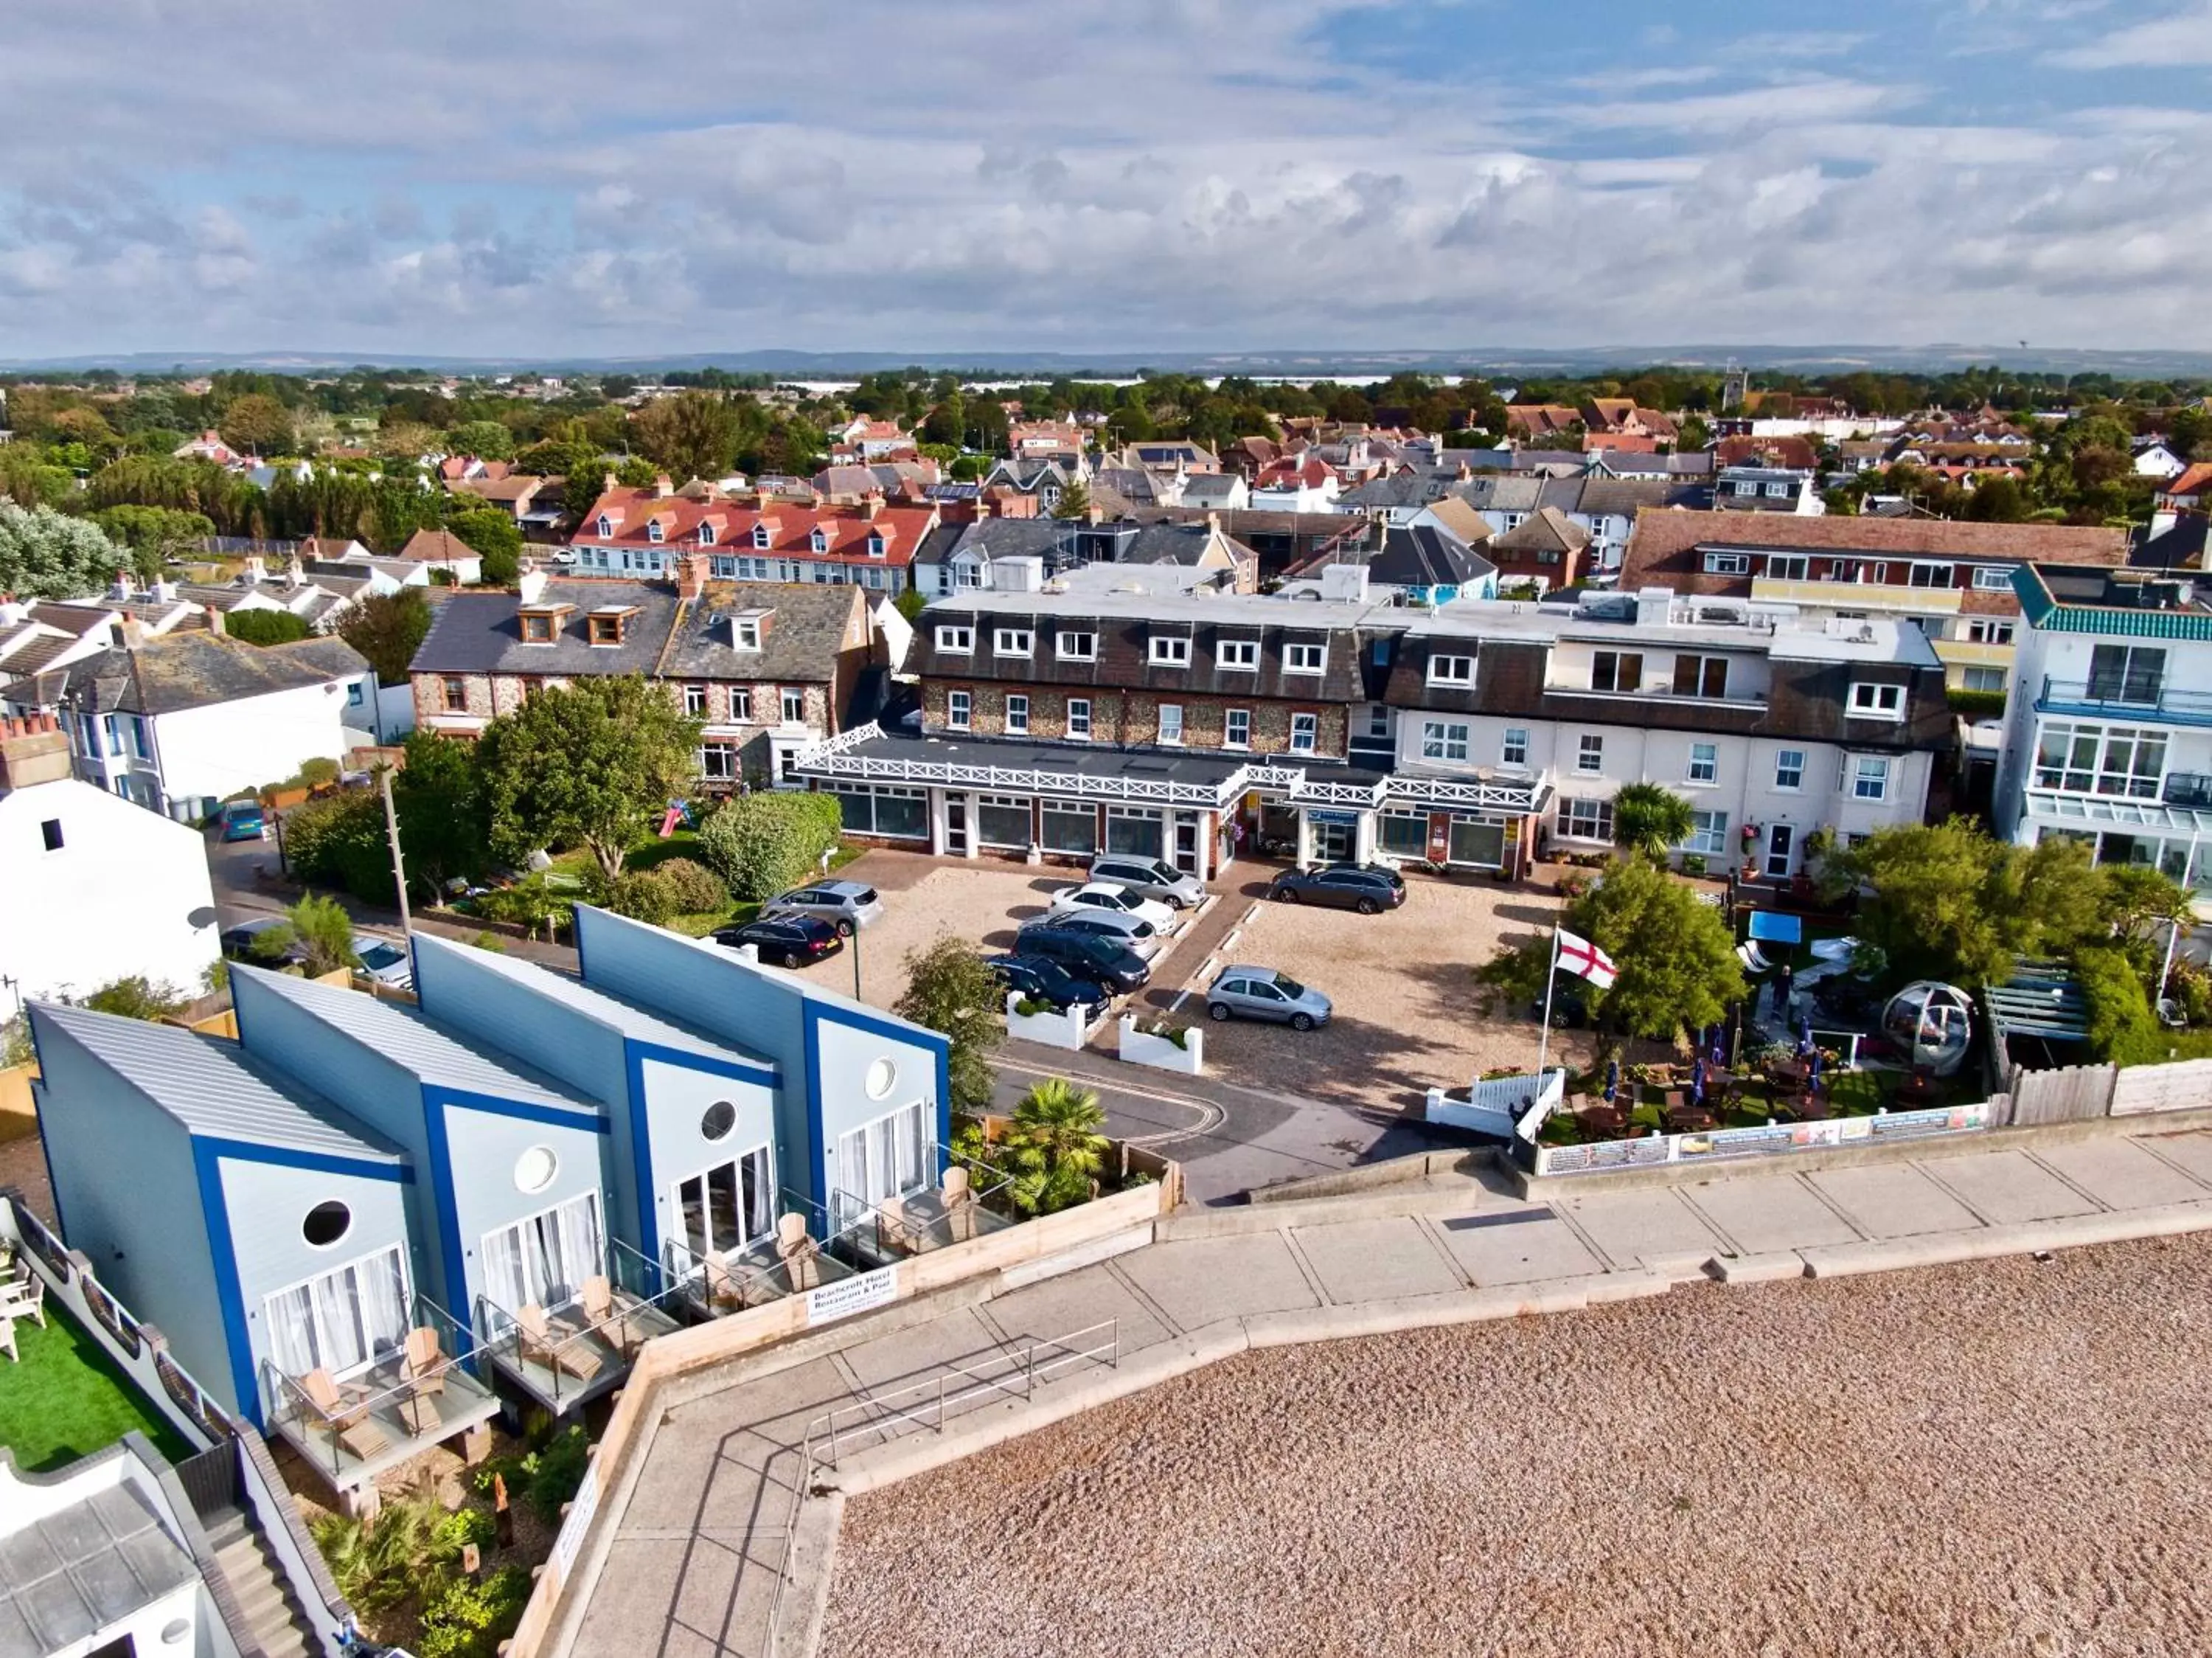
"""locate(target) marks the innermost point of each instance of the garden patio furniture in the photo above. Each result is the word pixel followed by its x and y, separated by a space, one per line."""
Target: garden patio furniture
pixel 8 1338
pixel 553 1348
pixel 798 1254
pixel 608 1310
pixel 26 1300
pixel 422 1363
pixel 1689 1120
pixel 1602 1120
pixel 1813 1106
pixel 347 1417
pixel 724 1286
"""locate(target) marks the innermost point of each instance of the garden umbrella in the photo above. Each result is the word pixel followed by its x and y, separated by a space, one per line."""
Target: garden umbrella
pixel 1697 1082
pixel 1805 1036
pixel 1612 1079
pixel 1716 1050
pixel 1812 1071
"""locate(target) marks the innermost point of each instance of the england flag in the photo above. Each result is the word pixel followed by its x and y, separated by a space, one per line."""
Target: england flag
pixel 1581 957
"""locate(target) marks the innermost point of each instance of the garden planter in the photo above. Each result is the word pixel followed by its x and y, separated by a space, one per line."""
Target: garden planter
pixel 1054 1029
pixel 1159 1053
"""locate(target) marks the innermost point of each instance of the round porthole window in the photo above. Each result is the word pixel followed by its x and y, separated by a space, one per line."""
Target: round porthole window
pixel 881 1077
pixel 326 1223
pixel 175 1631
pixel 534 1170
pixel 721 1116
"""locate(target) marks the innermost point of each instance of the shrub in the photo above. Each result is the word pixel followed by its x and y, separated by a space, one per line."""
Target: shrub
pixel 1693 864
pixel 491 942
pixel 761 843
pixel 137 997
pixel 695 888
pixel 339 841
pixel 265 627
pixel 1976 704
pixel 545 1478
pixel 1030 1008
pixel 319 772
pixel 465 1619
pixel 644 895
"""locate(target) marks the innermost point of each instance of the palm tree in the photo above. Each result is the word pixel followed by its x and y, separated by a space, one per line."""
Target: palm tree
pixel 1652 820
pixel 1055 1150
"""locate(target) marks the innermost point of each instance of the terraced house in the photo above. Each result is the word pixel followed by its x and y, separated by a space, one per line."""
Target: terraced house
pixel 1467 734
pixel 648 532
pixel 770 667
pixel 1952 579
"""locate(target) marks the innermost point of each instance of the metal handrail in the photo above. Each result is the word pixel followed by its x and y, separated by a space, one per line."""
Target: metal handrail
pixel 825 1423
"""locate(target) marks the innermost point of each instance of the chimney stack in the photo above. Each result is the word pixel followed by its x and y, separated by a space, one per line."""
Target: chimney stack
pixel 257 570
pixel 871 506
pixel 692 578
pixel 216 625
pixel 120 589
pixel 530 584
pixel 663 487
pixel 130 632
pixel 32 750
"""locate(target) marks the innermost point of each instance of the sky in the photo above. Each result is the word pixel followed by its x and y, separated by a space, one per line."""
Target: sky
pixel 556 180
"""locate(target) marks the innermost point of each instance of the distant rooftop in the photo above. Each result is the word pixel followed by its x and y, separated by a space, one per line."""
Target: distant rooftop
pixel 83 1570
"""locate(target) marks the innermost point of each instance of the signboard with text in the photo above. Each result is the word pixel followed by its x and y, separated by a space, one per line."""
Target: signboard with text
pixel 862 1293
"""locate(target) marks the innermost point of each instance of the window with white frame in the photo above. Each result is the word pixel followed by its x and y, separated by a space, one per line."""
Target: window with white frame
pixel 1451 671
pixel 1870 701
pixel 342 1320
pixel 1304 659
pixel 695 699
pixel 543 1261
pixel 959 705
pixel 1589 755
pixel 793 705
pixel 818 539
pixel 1788 566
pixel 1236 730
pixel 1704 763
pixel 1727 563
pixel 967 574
pixel 1982 679
pixel 1079 647
pixel 1011 642
pixel 760 536
pixel 1869 778
pixel 741 702
pixel 718 762
pixel 1443 740
pixel 958 640
pixel 653 530
pixel 1707 834
pixel 1789 769
pixel 1701 676
pixel 2116 761
pixel 1243 654
pixel 1169 651
pixel 1617 670
pixel 706 534
pixel 1921 574
pixel 1582 818
pixel 1305 733
pixel 1994 578
pixel 746 632
pixel 1778 491
pixel 1079 718
pixel 1987 630
pixel 882 1160
pixel 1018 714
pixel 1172 724
pixel 1513 750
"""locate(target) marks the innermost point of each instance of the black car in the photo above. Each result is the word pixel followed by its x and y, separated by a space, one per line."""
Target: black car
pixel 240 942
pixel 1114 965
pixel 791 941
pixel 1368 888
pixel 1042 979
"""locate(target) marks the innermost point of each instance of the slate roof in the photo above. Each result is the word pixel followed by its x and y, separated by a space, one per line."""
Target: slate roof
pixel 213 1087
pixel 83 1569
pixel 1423 556
pixel 2182 546
pixel 996 537
pixel 177 671
pixel 478 632
pixel 1545 530
pixel 1512 492
pixel 417 1044
pixel 35 651
pixel 808 625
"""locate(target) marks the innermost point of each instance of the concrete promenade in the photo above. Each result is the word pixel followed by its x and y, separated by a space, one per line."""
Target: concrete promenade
pixel 693 1560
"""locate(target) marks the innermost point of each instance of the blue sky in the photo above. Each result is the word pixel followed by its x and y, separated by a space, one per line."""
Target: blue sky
pixel 678 175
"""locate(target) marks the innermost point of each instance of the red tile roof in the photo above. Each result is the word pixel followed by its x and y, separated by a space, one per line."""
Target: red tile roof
pixel 791 526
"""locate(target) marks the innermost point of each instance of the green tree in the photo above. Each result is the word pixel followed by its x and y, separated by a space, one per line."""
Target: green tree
pixel 691 434
pixel 1650 819
pixel 486 440
pixel 137 997
pixel 387 628
pixel 1074 501
pixel 766 842
pixel 1928 903
pixel 256 424
pixel 339 839
pixel 438 796
pixel 593 764
pixel 950 991
pixel 265 627
pixel 494 535
pixel 30 479
pixel 155 535
pixel 911 602
pixel 324 929
pixel 1055 1147
pixel 1676 960
pixel 45 554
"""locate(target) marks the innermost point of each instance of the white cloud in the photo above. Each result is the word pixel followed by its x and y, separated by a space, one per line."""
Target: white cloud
pixel 2183 39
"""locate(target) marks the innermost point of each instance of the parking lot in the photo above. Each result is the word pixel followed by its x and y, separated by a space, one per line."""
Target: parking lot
pixel 1401 982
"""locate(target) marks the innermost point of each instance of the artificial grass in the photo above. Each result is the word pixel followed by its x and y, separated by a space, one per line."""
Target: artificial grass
pixel 64 1399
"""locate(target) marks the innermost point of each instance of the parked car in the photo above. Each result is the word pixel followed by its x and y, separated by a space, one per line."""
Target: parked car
pixel 242 820
pixel 1368 888
pixel 844 904
pixel 1100 956
pixel 1042 979
pixel 791 940
pixel 1150 878
pixel 1140 935
pixel 1115 900
pixel 238 942
pixel 1263 993
pixel 386 962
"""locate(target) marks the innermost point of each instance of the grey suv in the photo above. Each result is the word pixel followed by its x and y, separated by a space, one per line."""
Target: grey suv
pixel 1150 878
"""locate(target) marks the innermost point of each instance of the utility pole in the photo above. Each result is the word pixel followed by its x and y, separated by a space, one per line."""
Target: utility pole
pixel 392 830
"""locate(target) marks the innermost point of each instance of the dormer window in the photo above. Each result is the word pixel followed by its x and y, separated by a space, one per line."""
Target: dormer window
pixel 606 528
pixel 541 624
pixel 877 547
pixel 706 535
pixel 652 532
pixel 610 624
pixel 1169 651
pixel 817 540
pixel 746 632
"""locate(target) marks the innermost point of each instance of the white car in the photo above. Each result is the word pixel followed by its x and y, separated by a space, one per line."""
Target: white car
pixel 1117 900
pixel 385 961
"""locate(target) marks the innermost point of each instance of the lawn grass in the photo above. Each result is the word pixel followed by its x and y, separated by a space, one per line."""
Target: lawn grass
pixel 64 1398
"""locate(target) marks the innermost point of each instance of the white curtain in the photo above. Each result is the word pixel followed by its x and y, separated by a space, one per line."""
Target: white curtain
pixel 583 1254
pixel 292 1331
pixel 545 1259
pixel 885 1158
pixel 502 1257
pixel 759 1195
pixel 343 1319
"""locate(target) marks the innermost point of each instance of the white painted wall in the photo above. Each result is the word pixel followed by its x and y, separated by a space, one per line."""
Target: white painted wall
pixel 213 752
pixel 127 892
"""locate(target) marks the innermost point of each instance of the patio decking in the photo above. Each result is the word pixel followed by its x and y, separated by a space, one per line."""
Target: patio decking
pixel 407 1422
pixel 581 1360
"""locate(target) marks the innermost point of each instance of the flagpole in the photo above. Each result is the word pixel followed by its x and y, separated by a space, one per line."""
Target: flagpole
pixel 1544 1042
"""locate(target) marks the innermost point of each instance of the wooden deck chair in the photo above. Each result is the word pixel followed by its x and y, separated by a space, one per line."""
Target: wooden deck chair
pixel 960 1205
pixel 802 1267
pixel 580 1359
pixel 724 1286
pixel 349 1419
pixel 605 1311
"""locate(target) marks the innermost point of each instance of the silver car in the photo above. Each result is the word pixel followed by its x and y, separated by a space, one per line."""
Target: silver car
pixel 1119 925
pixel 1263 993
pixel 1149 878
pixel 845 905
